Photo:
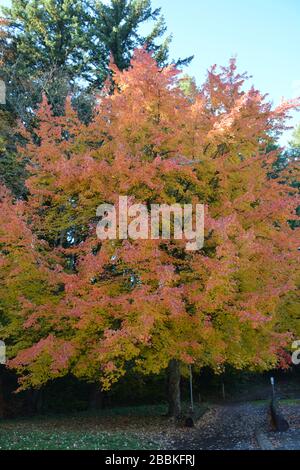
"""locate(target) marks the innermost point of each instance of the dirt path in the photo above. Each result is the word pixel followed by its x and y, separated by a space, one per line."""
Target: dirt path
pixel 237 427
pixel 226 427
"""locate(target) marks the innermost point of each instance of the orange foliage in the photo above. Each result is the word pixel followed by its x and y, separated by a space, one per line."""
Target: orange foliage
pixel 146 302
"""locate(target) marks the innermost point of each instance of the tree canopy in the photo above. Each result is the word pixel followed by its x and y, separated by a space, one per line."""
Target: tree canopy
pixel 107 307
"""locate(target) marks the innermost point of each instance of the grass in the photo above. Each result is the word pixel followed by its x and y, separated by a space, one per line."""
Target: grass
pixel 284 401
pixel 290 401
pixel 21 439
pixel 109 429
pixel 123 428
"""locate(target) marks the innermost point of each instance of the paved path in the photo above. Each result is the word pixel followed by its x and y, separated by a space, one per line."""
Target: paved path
pixel 289 440
pixel 227 427
pixel 241 427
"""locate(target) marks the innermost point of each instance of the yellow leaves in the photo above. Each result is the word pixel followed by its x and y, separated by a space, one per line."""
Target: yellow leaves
pixel 249 279
pixel 142 303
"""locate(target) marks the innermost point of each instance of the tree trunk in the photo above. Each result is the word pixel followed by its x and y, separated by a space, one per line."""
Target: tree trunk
pixel 279 423
pixel 174 389
pixel 2 402
pixel 34 401
pixel 96 398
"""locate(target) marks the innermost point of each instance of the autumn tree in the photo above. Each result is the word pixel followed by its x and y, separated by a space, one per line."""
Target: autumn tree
pixel 151 305
pixel 29 280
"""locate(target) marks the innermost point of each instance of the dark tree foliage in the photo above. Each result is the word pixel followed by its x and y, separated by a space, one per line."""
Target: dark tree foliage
pixel 61 47
pixel 117 25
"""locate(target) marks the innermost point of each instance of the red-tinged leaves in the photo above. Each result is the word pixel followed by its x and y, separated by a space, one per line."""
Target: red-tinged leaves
pixel 106 304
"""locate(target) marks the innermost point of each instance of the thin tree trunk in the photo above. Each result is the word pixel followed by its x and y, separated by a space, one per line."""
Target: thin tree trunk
pixel 96 398
pixel 34 401
pixel 174 389
pixel 2 401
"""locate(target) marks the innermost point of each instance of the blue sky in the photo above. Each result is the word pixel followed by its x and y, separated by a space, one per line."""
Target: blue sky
pixel 263 34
